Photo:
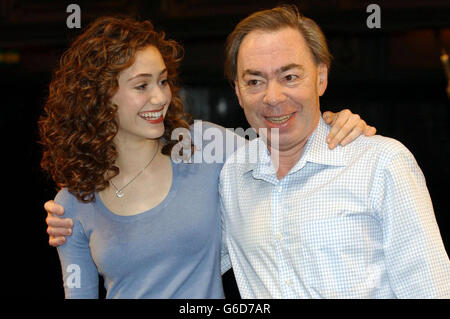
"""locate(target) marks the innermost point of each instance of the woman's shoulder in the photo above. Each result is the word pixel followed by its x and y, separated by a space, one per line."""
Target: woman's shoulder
pixel 212 138
pixel 69 201
pixel 64 197
pixel 200 126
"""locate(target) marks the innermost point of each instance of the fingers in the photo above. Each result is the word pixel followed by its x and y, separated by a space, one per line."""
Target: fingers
pixel 56 241
pixel 54 221
pixel 329 117
pixel 52 208
pixel 355 132
pixel 370 131
pixel 344 124
pixel 336 125
pixel 59 231
pixel 57 234
pixel 346 127
pixel 57 227
pixel 60 228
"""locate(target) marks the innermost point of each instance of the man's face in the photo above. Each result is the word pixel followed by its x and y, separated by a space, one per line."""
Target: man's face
pixel 278 85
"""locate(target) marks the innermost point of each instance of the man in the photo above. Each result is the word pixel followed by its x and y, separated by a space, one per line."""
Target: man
pixel 353 222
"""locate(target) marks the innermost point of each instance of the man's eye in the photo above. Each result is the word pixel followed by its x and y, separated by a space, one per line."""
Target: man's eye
pixel 253 82
pixel 290 77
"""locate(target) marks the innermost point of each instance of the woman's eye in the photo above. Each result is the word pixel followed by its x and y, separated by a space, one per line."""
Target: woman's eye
pixel 164 82
pixel 141 87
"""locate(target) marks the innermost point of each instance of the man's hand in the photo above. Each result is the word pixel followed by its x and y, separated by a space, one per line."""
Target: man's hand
pixel 345 127
pixel 58 227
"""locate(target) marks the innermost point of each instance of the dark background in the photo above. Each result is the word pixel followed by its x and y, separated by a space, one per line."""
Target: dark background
pixel 391 76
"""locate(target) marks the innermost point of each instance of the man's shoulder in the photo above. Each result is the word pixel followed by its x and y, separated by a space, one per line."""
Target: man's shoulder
pixel 380 141
pixel 376 144
pixel 377 151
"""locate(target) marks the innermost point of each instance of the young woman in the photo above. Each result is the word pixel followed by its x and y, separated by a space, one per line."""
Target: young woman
pixel 148 225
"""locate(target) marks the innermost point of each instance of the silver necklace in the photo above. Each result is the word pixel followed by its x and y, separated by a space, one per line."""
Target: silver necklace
pixel 119 193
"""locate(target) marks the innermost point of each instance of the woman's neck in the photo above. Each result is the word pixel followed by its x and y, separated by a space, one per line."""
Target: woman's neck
pixel 133 156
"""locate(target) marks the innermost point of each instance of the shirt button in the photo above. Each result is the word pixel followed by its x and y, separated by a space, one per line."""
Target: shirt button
pixel 279 237
pixel 288 282
pixel 279 189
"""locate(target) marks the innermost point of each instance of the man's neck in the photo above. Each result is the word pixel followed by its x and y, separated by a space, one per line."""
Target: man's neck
pixel 287 160
pixel 284 160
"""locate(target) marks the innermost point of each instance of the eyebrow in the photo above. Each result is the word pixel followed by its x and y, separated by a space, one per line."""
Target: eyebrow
pixel 291 66
pixel 148 75
pixel 280 70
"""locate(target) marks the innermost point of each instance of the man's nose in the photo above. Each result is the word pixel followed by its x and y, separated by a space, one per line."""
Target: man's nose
pixel 274 93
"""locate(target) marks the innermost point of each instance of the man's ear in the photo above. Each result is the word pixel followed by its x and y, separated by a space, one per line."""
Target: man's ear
pixel 322 78
pixel 237 91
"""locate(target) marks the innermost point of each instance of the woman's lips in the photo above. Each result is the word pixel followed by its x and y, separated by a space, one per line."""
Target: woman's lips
pixel 153 117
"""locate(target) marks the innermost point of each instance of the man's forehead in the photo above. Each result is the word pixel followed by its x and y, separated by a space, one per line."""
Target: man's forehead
pixel 261 38
pixel 274 49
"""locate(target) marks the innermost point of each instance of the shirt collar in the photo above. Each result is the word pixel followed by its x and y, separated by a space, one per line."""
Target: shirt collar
pixel 316 151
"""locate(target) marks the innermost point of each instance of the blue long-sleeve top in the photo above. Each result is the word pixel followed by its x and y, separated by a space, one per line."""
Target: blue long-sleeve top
pixel 170 251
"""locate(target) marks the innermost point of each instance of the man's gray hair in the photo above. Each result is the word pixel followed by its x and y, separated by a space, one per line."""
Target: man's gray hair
pixel 272 20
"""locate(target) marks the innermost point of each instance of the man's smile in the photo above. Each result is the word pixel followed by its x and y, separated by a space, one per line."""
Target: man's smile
pixel 279 119
pixel 276 121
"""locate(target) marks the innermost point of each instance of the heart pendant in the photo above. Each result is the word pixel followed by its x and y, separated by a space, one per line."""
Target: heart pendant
pixel 119 194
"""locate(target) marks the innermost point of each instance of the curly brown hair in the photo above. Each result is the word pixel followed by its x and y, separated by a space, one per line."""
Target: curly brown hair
pixel 79 121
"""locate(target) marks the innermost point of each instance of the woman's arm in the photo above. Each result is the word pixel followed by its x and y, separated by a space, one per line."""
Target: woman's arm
pixel 79 271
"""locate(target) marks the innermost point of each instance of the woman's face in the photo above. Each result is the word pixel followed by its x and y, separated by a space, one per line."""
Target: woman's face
pixel 143 97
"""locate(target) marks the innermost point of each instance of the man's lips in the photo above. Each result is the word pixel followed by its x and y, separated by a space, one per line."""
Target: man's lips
pixel 279 119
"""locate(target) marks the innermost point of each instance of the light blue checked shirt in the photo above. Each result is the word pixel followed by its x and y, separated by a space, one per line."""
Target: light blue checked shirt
pixel 354 222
